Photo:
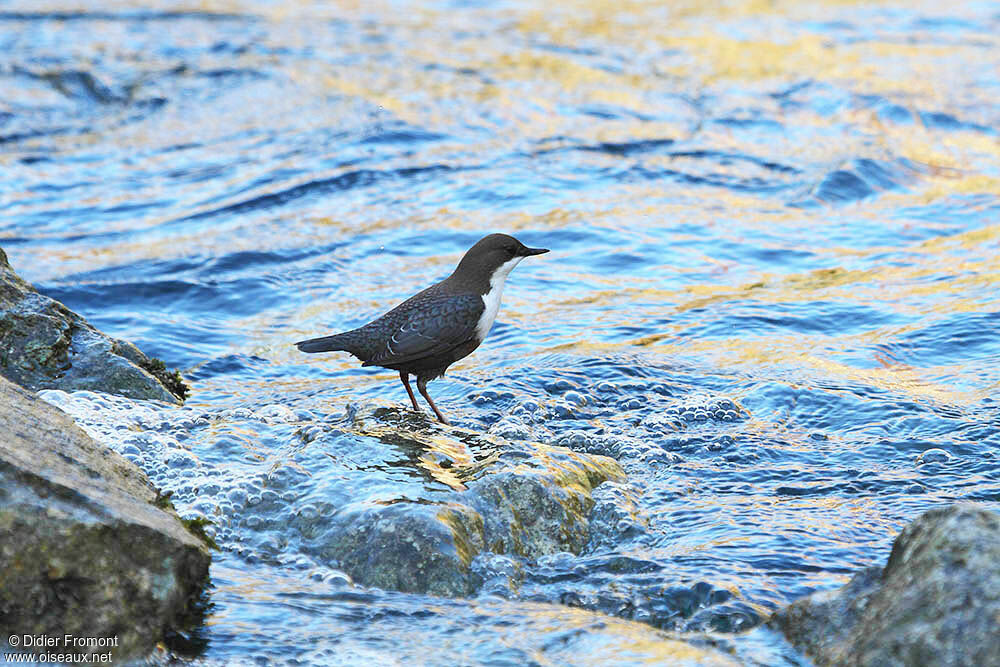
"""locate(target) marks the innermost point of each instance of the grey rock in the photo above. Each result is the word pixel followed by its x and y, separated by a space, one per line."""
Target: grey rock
pixel 84 548
pixel 525 499
pixel 44 345
pixel 541 505
pixel 407 546
pixel 936 602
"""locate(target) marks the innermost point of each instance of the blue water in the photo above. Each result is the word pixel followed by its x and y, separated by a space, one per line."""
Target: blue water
pixel 772 294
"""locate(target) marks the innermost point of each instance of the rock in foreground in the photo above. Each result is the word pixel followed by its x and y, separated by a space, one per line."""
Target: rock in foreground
pixel 84 550
pixel 937 602
pixel 45 345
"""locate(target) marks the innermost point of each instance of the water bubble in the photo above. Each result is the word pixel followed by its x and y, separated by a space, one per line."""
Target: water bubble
pixel 130 451
pixel 629 451
pixel 662 456
pixel 236 414
pixel 561 560
pixel 511 428
pixel 934 455
pixel 491 565
pixel 237 496
pixel 308 512
pixel 135 458
pixel 211 488
pixel 560 385
pixel 575 439
pixel 276 414
pixel 204 506
pixel 630 404
pixel 150 444
pixel 180 458
pixel 563 410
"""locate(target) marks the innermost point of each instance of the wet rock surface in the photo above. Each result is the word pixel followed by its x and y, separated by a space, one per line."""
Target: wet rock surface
pixel 86 546
pixel 936 602
pixel 44 345
pixel 479 494
pixel 523 499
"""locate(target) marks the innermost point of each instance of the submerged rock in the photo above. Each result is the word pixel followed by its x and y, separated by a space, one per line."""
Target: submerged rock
pixel 86 546
pixel 523 499
pixel 405 546
pixel 936 602
pixel 44 345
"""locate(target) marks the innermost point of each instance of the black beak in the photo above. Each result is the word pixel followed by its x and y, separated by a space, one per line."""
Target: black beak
pixel 528 252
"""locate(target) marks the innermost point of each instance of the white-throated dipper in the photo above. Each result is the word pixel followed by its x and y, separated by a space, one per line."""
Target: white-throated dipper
pixel 433 329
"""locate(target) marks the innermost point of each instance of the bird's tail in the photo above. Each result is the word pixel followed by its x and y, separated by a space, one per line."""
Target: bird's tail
pixel 324 344
pixel 354 341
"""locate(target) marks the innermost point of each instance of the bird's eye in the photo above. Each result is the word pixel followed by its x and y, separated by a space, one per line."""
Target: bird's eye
pixel 511 250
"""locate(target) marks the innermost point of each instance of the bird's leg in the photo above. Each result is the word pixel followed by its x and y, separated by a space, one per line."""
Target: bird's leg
pixel 422 386
pixel 405 377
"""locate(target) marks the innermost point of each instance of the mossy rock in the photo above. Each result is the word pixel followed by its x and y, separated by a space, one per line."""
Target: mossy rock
pixel 44 345
pixel 89 547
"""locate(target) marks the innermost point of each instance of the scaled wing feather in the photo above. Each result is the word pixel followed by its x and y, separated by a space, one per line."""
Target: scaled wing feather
pixel 428 327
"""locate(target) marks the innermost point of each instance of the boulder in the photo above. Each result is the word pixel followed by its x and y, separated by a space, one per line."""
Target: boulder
pixel 45 345
pixel 88 548
pixel 524 499
pixel 936 602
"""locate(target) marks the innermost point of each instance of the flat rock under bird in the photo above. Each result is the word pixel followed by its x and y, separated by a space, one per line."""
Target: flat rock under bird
pixel 433 329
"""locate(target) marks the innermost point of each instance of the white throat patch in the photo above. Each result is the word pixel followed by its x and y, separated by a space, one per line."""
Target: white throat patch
pixel 491 300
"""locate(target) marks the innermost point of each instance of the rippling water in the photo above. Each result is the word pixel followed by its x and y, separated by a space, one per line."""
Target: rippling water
pixel 772 294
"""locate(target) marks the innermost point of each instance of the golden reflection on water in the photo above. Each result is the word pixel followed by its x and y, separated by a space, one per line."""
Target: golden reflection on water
pixel 683 46
pixel 552 634
pixel 720 49
pixel 446 458
pixel 455 456
pixel 608 640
